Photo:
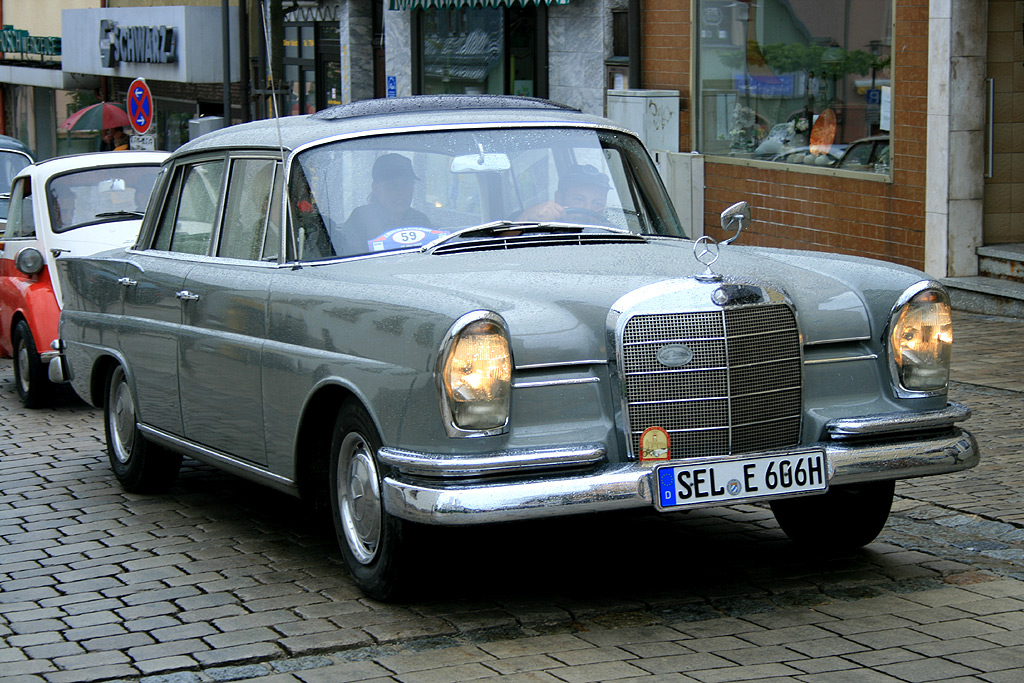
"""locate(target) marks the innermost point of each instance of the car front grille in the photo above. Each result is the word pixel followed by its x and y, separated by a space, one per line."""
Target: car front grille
pixel 740 393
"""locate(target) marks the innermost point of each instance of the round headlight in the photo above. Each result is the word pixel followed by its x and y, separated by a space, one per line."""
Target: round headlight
pixel 921 342
pixel 476 375
pixel 29 261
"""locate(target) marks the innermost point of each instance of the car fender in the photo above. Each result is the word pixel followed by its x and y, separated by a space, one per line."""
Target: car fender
pixel 37 304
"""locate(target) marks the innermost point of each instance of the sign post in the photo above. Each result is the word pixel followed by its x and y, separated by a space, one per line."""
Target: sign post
pixel 141 111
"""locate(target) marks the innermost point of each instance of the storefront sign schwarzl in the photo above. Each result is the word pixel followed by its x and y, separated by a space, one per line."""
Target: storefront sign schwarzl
pixel 141 44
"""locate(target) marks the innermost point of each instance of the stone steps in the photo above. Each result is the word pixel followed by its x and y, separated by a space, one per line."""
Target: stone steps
pixel 998 289
pixel 987 295
pixel 1004 261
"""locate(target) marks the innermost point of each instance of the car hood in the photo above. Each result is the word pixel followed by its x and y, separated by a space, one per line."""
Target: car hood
pixel 557 300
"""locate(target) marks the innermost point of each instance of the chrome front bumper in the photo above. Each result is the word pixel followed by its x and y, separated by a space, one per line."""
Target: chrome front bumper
pixel 457 500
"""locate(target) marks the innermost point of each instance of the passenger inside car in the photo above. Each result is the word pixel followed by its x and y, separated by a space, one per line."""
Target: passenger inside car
pixel 581 196
pixel 389 206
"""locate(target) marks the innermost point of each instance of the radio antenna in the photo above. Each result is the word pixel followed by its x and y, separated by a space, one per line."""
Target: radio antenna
pixel 270 74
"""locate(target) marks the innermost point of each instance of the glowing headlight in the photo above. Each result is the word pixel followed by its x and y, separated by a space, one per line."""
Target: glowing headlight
pixel 477 374
pixel 921 341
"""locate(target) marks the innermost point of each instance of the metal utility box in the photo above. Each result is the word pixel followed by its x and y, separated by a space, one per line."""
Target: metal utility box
pixel 652 114
pixel 203 125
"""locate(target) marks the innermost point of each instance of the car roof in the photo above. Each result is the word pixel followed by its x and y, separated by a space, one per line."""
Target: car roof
pixel 386 115
pixel 74 162
pixel 15 145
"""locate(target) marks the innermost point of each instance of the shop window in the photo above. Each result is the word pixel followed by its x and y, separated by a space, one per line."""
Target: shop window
pixel 482 50
pixel 794 83
pixel 312 66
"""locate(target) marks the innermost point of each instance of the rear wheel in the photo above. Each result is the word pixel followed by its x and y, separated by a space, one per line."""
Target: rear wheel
pixel 370 538
pixel 137 463
pixel 34 387
pixel 845 518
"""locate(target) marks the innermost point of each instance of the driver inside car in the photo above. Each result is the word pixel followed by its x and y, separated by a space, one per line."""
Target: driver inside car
pixel 581 196
pixel 389 206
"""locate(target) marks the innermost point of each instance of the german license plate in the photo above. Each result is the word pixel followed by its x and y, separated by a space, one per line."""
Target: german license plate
pixel 714 481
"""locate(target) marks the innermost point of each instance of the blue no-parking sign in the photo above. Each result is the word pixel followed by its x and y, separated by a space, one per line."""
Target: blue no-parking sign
pixel 140 106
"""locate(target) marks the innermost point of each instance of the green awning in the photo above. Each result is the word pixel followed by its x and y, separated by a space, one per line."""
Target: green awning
pixel 452 4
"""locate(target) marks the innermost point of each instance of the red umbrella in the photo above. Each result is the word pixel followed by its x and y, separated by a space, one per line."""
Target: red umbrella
pixel 98 116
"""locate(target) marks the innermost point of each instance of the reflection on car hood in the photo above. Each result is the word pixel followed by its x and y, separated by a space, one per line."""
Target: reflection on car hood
pixel 556 300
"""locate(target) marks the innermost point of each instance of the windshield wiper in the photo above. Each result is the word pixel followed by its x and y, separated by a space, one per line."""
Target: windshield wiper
pixel 114 214
pixel 496 228
pixel 485 230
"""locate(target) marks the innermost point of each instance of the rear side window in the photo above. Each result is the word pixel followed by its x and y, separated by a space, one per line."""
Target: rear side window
pixel 187 224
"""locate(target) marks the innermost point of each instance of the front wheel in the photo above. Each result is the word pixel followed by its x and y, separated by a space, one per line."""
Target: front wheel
pixel 369 537
pixel 138 464
pixel 34 387
pixel 844 518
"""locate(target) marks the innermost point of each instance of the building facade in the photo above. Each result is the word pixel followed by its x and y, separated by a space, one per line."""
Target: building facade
pixel 886 128
pixel 775 92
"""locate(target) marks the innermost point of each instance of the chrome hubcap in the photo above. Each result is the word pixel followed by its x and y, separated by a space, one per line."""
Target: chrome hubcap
pixel 24 368
pixel 122 421
pixel 359 498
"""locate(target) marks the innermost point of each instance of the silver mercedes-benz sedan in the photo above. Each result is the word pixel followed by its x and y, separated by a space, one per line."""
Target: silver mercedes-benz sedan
pixel 459 310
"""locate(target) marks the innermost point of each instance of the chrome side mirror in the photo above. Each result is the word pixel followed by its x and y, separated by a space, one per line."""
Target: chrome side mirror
pixel 736 217
pixel 29 261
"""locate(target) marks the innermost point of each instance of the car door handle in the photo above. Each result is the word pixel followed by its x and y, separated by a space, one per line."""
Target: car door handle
pixel 127 282
pixel 186 295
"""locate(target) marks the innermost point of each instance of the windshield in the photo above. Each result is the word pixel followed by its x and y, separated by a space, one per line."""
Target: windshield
pixel 99 195
pixel 388 192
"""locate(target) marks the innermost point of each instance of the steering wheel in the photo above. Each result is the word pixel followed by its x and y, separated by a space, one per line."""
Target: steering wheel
pixel 575 215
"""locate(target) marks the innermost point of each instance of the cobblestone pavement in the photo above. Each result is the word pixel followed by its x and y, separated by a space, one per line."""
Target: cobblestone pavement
pixel 220 580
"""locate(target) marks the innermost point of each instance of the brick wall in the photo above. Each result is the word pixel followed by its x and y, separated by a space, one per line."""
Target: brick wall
pixel 803 210
pixel 666 54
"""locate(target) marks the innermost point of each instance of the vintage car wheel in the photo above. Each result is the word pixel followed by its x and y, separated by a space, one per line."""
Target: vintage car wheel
pixel 137 463
pixel 369 537
pixel 845 518
pixel 30 378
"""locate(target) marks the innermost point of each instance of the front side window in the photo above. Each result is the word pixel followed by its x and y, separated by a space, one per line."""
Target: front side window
pixel 794 83
pixel 20 220
pixel 245 227
pixel 388 192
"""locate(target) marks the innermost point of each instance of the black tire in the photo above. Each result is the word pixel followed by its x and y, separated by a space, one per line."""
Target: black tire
pixel 30 377
pixel 845 518
pixel 371 540
pixel 138 464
